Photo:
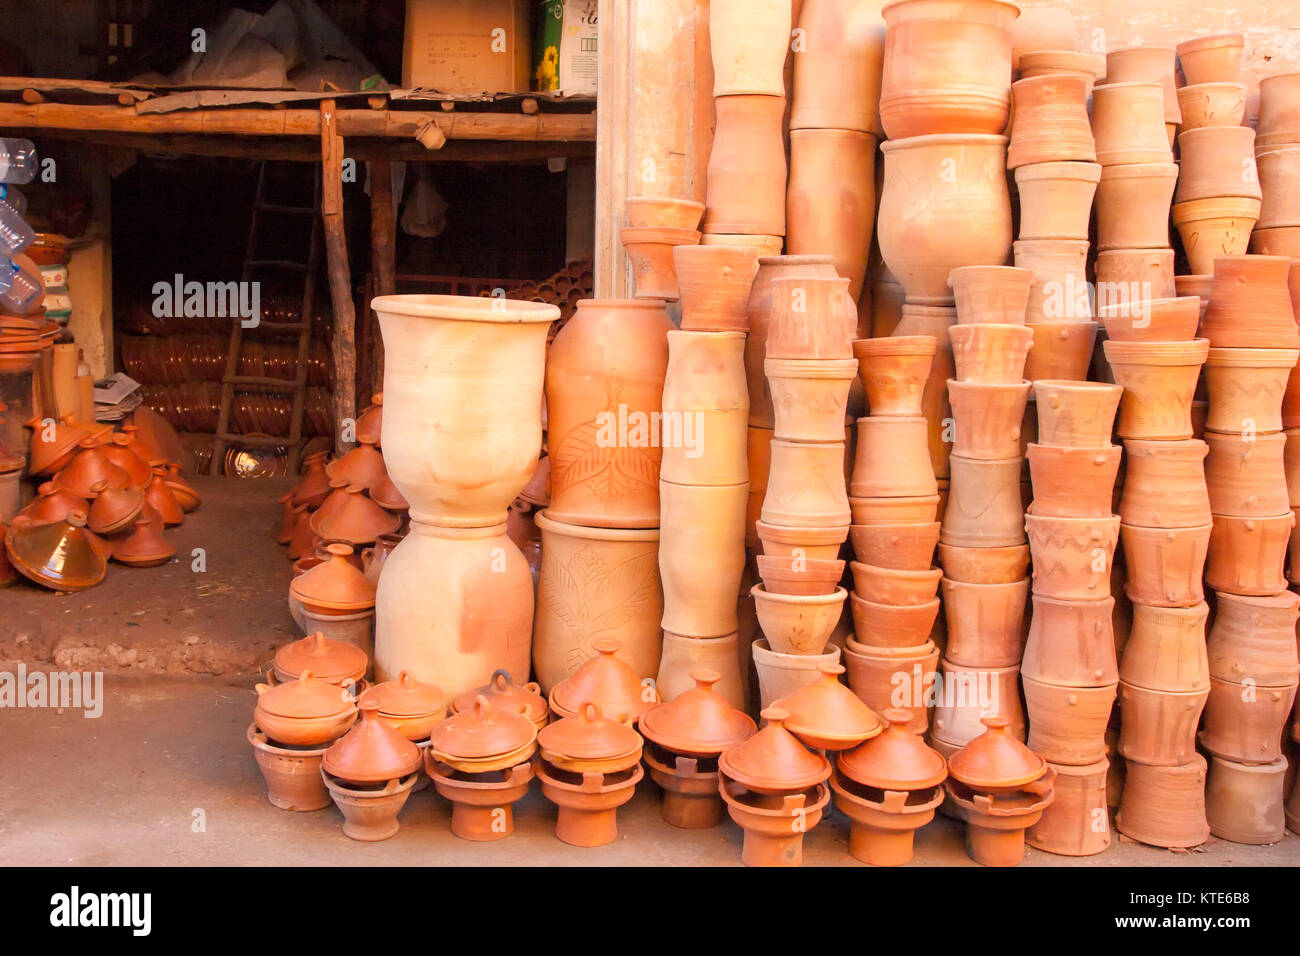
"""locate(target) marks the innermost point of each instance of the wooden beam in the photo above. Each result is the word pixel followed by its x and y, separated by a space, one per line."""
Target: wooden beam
pixel 383 238
pixel 615 45
pixel 343 343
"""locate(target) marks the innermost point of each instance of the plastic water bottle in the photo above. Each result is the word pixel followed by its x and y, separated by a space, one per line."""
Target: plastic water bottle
pixel 17 160
pixel 15 234
pixel 13 199
pixel 21 287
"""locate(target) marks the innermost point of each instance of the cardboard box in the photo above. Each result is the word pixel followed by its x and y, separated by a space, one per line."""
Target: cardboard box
pixel 566 57
pixel 468 46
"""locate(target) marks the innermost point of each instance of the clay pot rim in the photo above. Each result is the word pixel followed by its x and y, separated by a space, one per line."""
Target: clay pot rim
pixel 1070 385
pixel 1270 150
pixel 1218 207
pixel 893 345
pixel 832 133
pixel 1189 531
pixel 939 139
pixel 1140 171
pixel 1034 448
pixel 1157 448
pixel 1060 169
pixel 1085 60
pixel 662 235
pixel 776 563
pixel 813 600
pixel 258 739
pixel 1289 517
pixel 1007 271
pixel 808 369
pixel 796 260
pixel 1050 245
pixel 972 330
pixel 1157 353
pixel 990 386
pixel 1112 521
pixel 545 522
pixel 803 534
pixel 881 653
pixel 1211 42
pixel 1008 4
pixel 1128 85
pixel 1217 132
pixel 1281 601
pixel 466 308
pixel 1226 357
pixel 832 655
pixel 717 335
pixel 1045 79
pixel 1219 85
pixel 655 202
pixel 1169 303
pixel 718 250
pixel 900 608
pixel 948 583
pixel 1141 47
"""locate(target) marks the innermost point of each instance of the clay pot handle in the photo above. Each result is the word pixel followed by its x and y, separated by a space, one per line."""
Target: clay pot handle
pixel 482 707
pixel 590 708
pixel 500 679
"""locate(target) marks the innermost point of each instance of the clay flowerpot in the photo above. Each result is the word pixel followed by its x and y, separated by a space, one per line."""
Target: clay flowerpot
pixel 1061 351
pixel 1244 803
pixel 990 354
pixel 934 321
pixel 650 251
pixel 1159 379
pixel 701 557
pixel 455 465
pixel 837 82
pixel 1245 475
pixel 1073 482
pixel 1051 121
pixel 1152 320
pixel 1071 643
pixel 1166 650
pixel 1133 204
pixel 1068 724
pixel 810 397
pixel 1165 805
pixel 985 622
pixel 995 295
pixel 1158 727
pixel 292 774
pixel 749 42
pixel 987 418
pixel 1063 60
pixel 893 626
pixel 812 317
pixel 1245 722
pixel 894 587
pixel 714 283
pixel 1128 121
pixel 1211 59
pixel 947 67
pixel 747 168
pixel 1056 199
pixel 976 565
pixel 1128 275
pixel 595 582
pixel 797 624
pixel 780 675
pixel 1059 292
pixel 807 540
pixel 1278 172
pixel 1144 64
pixel 984 506
pixel 887 511
pixel 1211 104
pixel 1072 556
pixel 1165 565
pixel 1076 414
pixel 606 372
pixel 796 575
pixel 1076 823
pixel 1250 305
pixel 1217 161
pixel 702 433
pixel 1279 110
pixel 894 373
pixel 892 460
pixel 944 204
pixel 1253 639
pixel 759 315
pixel 644 211
pixel 806 485
pixel 905 547
pixel 831 197
pixel 1247 554
pixel 1213 228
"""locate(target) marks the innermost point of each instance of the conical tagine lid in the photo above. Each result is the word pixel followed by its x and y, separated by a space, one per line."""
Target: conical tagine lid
pixel 331 661
pixel 895 760
pixel 826 709
pixel 363 466
pixel 54 504
pixel 774 759
pixel 698 721
pixel 502 693
pixel 335 585
pixel 482 731
pixel 606 681
pixel 371 752
pixel 407 697
pixel 357 520
pixel 995 760
pixel 370 423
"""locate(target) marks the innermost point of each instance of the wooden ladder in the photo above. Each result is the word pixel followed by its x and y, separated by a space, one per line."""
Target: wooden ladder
pixel 232 380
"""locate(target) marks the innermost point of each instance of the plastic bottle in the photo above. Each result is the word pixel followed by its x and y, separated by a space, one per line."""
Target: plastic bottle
pixel 21 287
pixel 13 199
pixel 15 234
pixel 17 161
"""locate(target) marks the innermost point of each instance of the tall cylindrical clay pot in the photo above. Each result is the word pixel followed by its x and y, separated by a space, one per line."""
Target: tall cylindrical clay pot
pixel 747 168
pixel 703 431
pixel 837 67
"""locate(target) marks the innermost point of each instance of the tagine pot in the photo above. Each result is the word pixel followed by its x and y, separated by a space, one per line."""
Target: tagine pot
pixel 608 682
pixel 1213 228
pixel 588 803
pixel 1056 199
pixel 1072 482
pixel 705 407
pixel 1165 805
pixel 1051 121
pixel 482 805
pixel 984 505
pixel 714 282
pixel 1128 121
pixel 1133 203
pixel 1211 59
pixel 831 197
pixel 986 622
pixel 701 558
pixel 747 167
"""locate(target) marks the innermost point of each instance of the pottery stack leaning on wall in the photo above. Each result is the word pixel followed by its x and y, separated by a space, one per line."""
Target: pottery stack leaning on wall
pixel 1277 233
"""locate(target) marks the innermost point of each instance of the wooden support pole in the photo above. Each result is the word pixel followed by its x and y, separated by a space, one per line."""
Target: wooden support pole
pixel 343 344
pixel 383 238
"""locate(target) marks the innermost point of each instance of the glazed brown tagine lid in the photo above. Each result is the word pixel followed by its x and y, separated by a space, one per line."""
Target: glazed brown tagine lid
pixel 118 452
pixel 826 715
pixel 335 586
pixel 332 661
pixel 897 759
pixel 54 504
pixel 605 680
pixel 371 752
pixel 995 760
pixel 483 738
pixel 88 467
pixel 503 693
pixel 773 760
pixel 113 508
pixel 699 721
pixel 590 742
pixel 363 466
pixel 62 555
pixel 357 520
pixel 370 422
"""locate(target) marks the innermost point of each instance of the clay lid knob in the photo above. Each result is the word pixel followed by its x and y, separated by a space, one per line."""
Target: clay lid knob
pixel 46 489
pixel 705 677
pixel 590 712
pixel 998 722
pixel 341 551
pixel 369 708
pixel 99 487
pixel 370 440
pixel 775 716
pixel 831 669
pixel 86 443
pixel 122 440
pixel 377 398
pixel 607 645
pixel 897 717
pixel 317 641
pixel 76 518
pixel 338 483
pixel 406 680
pixel 482 707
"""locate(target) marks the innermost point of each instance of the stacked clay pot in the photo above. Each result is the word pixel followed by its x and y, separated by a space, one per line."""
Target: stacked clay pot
pixel 1069 670
pixel 370 772
pixel 600 532
pixel 1277 233
pixel 805 513
pixel 894 497
pixel 655 227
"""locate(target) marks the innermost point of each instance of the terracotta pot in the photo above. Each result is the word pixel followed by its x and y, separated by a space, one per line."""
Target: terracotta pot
pixel 1159 379
pixel 1253 638
pixel 292 775
pixel 971 695
pixel 1279 108
pixel 894 373
pixel 1212 228
pixel 650 251
pixel 682 656
pixel 987 419
pixel 837 71
pixel 1158 727
pixel 799 575
pixel 990 354
pixel 985 622
pixel 749 43
pixel 1250 305
pixel 1068 724
pixel 906 470
pixel 1073 482
pixel 702 433
pixel 588 803
pixel 606 368
pixel 1211 105
pixel 883 822
pixel 1164 484
pixel 1051 121
pixel 891 586
pixel 1152 320
pixel 1278 172
pixel 947 67
pixel 1071 643
pixel 812 318
pixel 1128 121
pixel 888 511
pixel 1063 60
pixel 595 582
pixel 774 825
pixel 1056 199
pixel 1166 650
pixel 1059 292
pixel 806 486
pixel 1165 805
pixel 643 211
pixel 1165 564
pixel 1144 64
pixel 370 815
pixel 1076 823
pixel 810 398
pixel 944 204
pixel 1061 351
pixel 1076 414
pixel 905 547
pixel 991 294
pixel 1275 241
pixel 893 625
pixel 714 283
pixel 1247 554
pixel 1245 722
pixel 886 678
pixel 995 832
pixel 1133 203
pixel 1245 475
pixel 984 506
pixel 1217 161
pixel 798 624
pixel 766 245
pixel 831 198
pixel 1127 275
pixel 780 675
pixel 1211 59
pixel 1244 803
pixel 934 321
pixel 482 804
pixel 980 565
pixel 811 541
pixel 759 315
pixel 747 168
pixel 1072 556
pixel 702 557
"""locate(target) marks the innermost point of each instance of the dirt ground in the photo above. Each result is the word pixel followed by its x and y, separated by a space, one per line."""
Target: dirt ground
pixel 181 649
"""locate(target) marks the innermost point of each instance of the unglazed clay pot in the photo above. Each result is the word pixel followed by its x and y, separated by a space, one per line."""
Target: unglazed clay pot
pixel 1076 414
pixel 905 547
pixel 990 354
pixel 894 677
pixel 650 251
pixel 885 511
pixel 1073 482
pixel 978 565
pixel 1061 351
pixel 1056 199
pixel 799 575
pixel 1247 554
pixel 1072 556
pixel 1253 639
pixel 807 540
pixel 1245 722
pixel 1152 320
pixel 810 398
pixel 1068 724
pixel 1159 379
pixel 1158 727
pixel 714 283
pixel 947 67
pixel 702 556
pixel 1279 109
pixel 759 315
pixel 780 675
pixel 1217 161
pixel 1250 305
pixel 984 507
pixel 606 372
pixel 747 168
pixel 1165 805
pixel 991 294
pixel 831 198
pixel 1052 60
pixel 797 624
pixel 749 42
pixel 706 403
pixel 893 626
pixel 812 318
pixel 644 211
pixel 1211 104
pixel 1244 803
pixel 1071 643
pixel 894 373
pixel 1076 823
pixel 1211 59
pixel 1164 485
pixel 987 419
pixel 684 655
pixel 595 582
pixel 985 622
pixel 1279 170
pixel 1127 275
pixel 1166 649
pixel 806 485
pixel 1165 565
pixel 894 587
pixel 1128 121
pixel 944 204
pixel 454 464
pixel 1212 228
pixel 1245 475
pixel 934 321
pixel 1059 292
pixel 1133 203
pixel 1051 121
pixel 837 69
pixel 892 460
pixel 292 774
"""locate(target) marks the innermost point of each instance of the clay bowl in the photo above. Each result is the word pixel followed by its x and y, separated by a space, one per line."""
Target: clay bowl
pixel 887 625
pixel 907 547
pixel 642 211
pixel 798 575
pixel 921 509
pixel 984 565
pixel 1152 320
pixel 797 624
pixel 891 586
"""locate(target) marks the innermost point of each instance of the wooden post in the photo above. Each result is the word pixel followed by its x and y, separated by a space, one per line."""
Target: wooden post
pixel 343 345
pixel 383 237
pixel 613 124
